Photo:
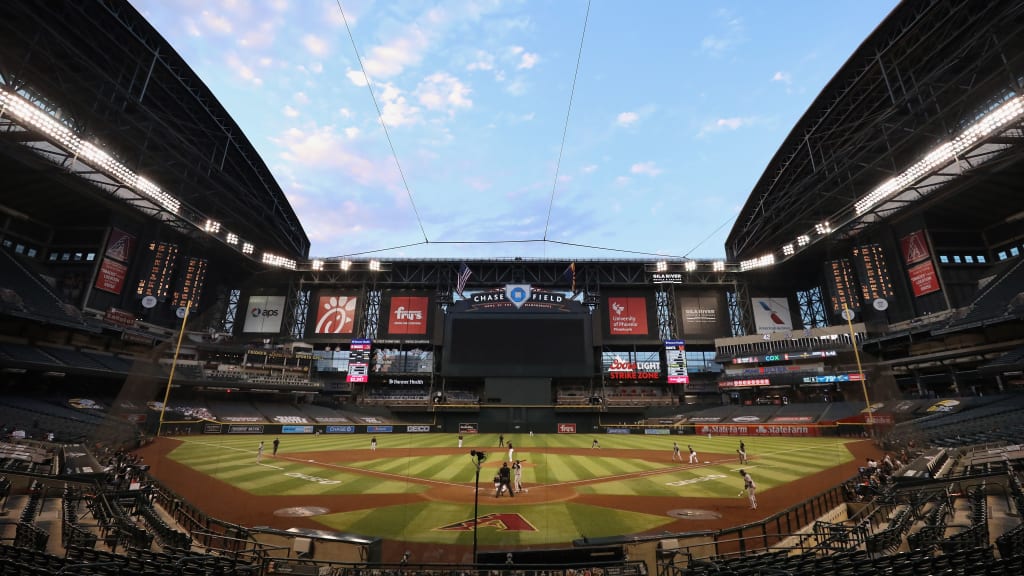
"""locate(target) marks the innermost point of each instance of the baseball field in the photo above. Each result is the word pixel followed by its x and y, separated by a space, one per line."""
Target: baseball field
pixel 419 488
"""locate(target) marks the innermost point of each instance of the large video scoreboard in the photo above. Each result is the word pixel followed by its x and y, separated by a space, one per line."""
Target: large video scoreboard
pixel 514 345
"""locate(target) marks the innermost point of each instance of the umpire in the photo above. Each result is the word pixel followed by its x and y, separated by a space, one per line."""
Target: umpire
pixel 505 481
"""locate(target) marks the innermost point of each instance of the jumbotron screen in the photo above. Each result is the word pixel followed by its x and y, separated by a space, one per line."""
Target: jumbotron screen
pixel 518 345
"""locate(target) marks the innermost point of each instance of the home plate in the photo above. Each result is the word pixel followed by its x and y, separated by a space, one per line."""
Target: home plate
pixel 301 511
pixel 694 514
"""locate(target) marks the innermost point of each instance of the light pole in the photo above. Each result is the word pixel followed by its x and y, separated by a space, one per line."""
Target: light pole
pixel 478 459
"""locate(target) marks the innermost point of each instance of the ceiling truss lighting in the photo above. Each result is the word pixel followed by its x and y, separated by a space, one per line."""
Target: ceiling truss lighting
pixel 248 248
pixel 212 226
pixel 759 262
pixel 823 228
pixel 345 265
pixel 718 266
pixel 375 265
pixel 803 240
pixel 788 249
pixel 317 265
pixel 275 260
pixel 232 239
pixel 944 153
pixel 690 265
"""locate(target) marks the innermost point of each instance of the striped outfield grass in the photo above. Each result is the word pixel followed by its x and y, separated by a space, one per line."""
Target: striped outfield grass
pixel 648 471
pixel 642 466
pixel 553 522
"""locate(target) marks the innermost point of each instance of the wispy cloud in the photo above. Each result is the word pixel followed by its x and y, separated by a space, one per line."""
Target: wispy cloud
pixel 442 91
pixel 290 112
pixel 784 77
pixel 527 61
pixel 727 125
pixel 215 23
pixel 483 61
pixel 646 168
pixel 242 70
pixel 396 110
pixel 316 45
pixel 731 35
pixel 320 147
pixel 626 118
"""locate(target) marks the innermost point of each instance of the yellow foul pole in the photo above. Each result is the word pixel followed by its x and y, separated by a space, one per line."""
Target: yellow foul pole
pixel 869 417
pixel 174 363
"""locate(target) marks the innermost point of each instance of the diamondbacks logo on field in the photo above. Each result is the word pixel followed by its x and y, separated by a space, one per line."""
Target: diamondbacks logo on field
pixel 503 522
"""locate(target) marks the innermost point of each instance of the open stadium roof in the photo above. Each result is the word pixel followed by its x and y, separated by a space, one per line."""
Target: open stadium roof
pixel 931 74
pixel 100 71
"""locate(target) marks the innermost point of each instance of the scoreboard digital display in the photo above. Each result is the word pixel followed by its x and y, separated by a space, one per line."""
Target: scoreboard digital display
pixel 842 285
pixel 359 361
pixel 675 360
pixel 875 281
pixel 163 257
pixel 189 287
pixel 518 345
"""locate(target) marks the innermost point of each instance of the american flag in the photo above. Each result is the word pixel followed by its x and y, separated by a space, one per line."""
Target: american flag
pixel 464 274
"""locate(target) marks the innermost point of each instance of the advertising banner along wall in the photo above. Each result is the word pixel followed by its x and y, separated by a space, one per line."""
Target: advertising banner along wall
pixel 336 313
pixel 408 315
pixel 703 316
pixel 772 314
pixel 264 314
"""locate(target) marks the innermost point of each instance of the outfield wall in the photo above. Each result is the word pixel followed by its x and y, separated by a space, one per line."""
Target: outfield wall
pixel 519 420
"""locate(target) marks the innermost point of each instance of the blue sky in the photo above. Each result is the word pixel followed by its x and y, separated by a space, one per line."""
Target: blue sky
pixel 677 109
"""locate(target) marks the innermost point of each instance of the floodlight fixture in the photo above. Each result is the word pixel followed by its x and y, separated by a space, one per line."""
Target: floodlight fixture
pixel 823 228
pixel 995 120
pixel 248 248
pixel 318 265
pixel 279 261
pixel 690 265
pixel 375 265
pixel 661 266
pixel 345 265
pixel 232 238
pixel 212 226
pixel 759 262
pixel 718 265
pixel 803 240
pixel 788 249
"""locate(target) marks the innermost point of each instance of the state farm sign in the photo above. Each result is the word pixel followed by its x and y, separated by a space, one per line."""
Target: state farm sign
pixel 623 370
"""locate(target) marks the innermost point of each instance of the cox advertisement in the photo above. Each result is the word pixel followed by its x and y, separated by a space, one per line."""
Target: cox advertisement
pixel 379 429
